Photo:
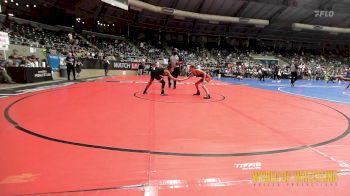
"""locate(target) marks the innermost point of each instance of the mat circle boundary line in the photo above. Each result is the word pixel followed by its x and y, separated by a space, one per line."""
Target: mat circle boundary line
pixel 222 98
pixel 145 151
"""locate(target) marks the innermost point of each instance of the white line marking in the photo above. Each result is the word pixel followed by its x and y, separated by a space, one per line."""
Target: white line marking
pixel 331 100
pixel 305 86
pixel 344 166
pixel 151 191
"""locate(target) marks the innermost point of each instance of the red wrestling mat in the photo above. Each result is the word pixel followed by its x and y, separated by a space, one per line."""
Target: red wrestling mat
pixel 105 137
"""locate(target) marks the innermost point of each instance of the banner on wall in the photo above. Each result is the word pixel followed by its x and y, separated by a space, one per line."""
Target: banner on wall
pixel 121 66
pixel 114 65
pixel 4 38
pixel 55 61
pixel 4 43
pixel 135 66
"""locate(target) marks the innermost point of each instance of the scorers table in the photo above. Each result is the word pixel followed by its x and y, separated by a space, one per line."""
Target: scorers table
pixel 29 74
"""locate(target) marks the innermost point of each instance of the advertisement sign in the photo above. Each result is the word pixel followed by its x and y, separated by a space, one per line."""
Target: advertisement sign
pixel 4 38
pixel 55 61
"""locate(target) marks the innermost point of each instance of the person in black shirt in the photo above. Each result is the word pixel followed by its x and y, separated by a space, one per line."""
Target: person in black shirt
pixel 262 73
pixel 105 65
pixel 158 73
pixel 78 67
pixel 342 78
pixel 70 60
pixel 140 69
pixel 276 72
pixel 175 63
pixel 293 72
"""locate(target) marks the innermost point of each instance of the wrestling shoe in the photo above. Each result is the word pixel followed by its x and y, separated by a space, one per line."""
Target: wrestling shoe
pixel 207 97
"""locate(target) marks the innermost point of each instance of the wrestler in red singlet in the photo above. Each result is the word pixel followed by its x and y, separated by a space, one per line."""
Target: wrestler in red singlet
pixel 205 78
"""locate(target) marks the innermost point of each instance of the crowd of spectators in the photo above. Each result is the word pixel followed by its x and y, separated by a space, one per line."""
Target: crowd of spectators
pixel 316 65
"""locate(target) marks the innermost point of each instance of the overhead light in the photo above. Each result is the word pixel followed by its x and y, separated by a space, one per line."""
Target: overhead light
pixel 27 5
pixel 34 5
pixel 72 26
pixel 17 4
pixel 5 1
pixel 113 25
pixel 83 23
pixel 10 14
pixel 11 1
pixel 108 25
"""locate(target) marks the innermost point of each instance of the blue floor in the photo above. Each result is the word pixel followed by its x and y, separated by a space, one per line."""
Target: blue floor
pixel 334 92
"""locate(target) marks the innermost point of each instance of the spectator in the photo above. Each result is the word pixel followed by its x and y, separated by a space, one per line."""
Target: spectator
pixel 16 59
pixel 4 77
pixel 70 61
pixel 78 67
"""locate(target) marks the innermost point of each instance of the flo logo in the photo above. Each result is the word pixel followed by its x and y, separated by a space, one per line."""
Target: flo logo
pixel 324 13
pixel 248 166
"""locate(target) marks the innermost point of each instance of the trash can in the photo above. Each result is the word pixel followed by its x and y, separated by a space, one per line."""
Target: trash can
pixel 63 71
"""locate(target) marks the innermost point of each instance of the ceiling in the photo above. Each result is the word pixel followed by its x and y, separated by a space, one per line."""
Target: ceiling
pixel 280 13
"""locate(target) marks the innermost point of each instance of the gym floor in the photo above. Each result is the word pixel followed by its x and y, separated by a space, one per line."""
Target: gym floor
pixel 104 137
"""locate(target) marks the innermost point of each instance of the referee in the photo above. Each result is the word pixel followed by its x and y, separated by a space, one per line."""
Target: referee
pixel 174 62
pixel 106 63
pixel 293 72
pixel 70 61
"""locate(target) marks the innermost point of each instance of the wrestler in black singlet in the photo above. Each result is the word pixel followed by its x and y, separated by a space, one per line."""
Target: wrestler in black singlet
pixel 157 73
